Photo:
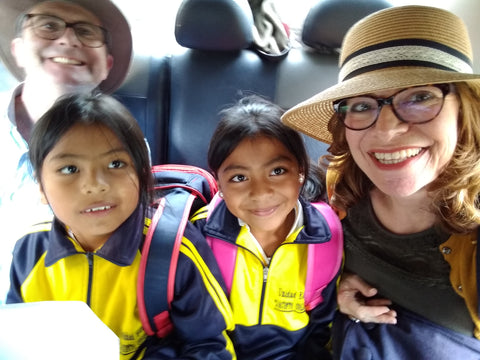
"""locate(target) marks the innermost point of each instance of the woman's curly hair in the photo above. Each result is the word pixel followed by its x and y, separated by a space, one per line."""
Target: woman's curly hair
pixel 454 194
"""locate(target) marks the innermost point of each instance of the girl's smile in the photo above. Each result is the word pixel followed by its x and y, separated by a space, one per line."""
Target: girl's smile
pixel 264 211
pixel 98 209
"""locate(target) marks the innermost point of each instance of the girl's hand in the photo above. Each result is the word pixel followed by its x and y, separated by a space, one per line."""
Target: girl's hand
pixel 355 300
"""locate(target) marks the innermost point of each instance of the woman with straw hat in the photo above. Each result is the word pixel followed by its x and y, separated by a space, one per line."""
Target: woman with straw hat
pixel 404 127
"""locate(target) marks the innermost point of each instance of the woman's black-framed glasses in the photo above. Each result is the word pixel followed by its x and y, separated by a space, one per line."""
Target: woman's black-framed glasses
pixel 416 105
pixel 51 27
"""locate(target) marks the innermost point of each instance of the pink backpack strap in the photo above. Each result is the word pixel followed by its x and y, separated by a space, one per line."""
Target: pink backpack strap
pixel 225 253
pixel 324 259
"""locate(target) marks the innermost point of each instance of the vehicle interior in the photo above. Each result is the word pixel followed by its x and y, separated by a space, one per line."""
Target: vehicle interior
pixel 193 58
pixel 205 59
pixel 176 97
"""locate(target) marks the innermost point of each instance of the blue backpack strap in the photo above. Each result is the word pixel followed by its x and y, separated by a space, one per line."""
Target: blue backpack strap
pixel 183 189
pixel 324 259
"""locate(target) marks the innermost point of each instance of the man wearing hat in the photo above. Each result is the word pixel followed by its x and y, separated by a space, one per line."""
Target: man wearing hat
pixel 403 125
pixel 54 48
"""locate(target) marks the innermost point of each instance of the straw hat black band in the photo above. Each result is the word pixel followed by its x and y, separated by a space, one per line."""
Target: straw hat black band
pixel 388 65
pixel 407 52
pixel 411 42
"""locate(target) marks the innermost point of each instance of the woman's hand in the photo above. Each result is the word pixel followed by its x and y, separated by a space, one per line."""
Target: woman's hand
pixel 355 300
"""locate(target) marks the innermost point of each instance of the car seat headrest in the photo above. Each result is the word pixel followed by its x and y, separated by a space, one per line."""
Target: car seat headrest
pixel 222 25
pixel 328 21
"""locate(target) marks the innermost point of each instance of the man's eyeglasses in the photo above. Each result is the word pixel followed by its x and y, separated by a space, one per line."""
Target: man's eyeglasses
pixel 51 27
pixel 416 105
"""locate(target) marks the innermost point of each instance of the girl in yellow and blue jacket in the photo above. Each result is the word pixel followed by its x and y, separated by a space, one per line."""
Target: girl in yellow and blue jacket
pixel 92 165
pixel 261 167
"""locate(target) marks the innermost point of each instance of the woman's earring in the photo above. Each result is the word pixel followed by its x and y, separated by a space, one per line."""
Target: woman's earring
pixel 301 178
pixel 220 194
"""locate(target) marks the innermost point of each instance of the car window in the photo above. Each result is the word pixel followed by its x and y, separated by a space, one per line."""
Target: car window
pixel 7 81
pixel 152 23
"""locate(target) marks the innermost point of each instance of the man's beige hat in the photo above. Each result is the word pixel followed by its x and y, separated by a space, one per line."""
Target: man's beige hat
pixel 109 15
pixel 392 48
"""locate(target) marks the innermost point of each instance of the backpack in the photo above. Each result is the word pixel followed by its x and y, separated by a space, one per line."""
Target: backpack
pixel 323 261
pixel 180 190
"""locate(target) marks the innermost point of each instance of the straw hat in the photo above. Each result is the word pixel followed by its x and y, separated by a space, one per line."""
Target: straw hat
pixel 392 48
pixel 109 15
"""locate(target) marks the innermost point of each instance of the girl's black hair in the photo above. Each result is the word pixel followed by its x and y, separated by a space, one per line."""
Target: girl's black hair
pixel 253 116
pixel 92 109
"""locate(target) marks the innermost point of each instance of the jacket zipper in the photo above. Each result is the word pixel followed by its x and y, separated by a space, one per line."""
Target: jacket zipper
pixel 90 277
pixel 265 276
pixel 266 268
pixel 264 286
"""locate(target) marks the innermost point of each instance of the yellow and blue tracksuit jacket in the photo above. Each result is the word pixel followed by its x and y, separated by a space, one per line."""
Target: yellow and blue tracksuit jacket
pixel 267 301
pixel 49 265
